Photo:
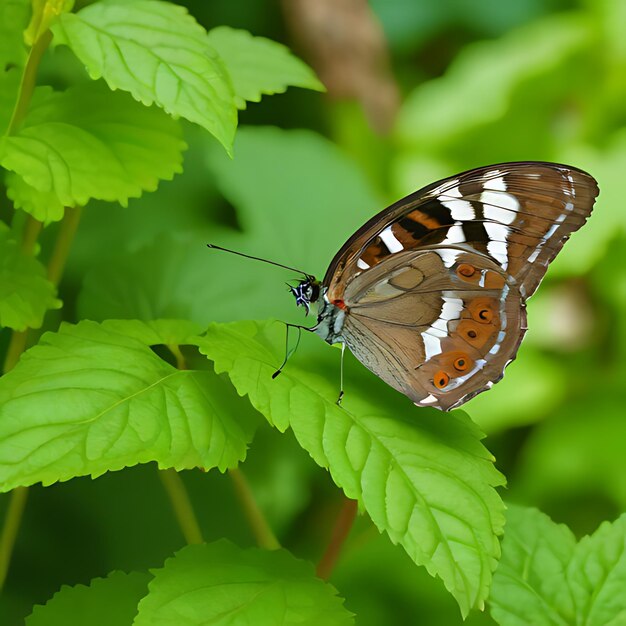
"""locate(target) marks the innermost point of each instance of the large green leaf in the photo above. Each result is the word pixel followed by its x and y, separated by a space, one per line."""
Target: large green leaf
pixel 545 578
pixel 423 477
pixel 89 142
pixel 223 585
pixel 177 276
pixel 259 66
pixel 94 398
pixel 157 52
pixel 110 601
pixel 25 292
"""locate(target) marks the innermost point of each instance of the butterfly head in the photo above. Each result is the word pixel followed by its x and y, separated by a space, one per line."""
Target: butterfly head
pixel 306 292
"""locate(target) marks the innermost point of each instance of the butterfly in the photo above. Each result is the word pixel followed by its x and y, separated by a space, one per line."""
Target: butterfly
pixel 430 294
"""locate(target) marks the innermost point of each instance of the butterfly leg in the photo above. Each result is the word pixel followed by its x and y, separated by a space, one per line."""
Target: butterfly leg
pixel 289 353
pixel 340 398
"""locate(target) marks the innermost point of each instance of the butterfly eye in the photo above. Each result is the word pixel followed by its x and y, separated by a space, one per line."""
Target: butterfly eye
pixel 465 270
pixel 441 379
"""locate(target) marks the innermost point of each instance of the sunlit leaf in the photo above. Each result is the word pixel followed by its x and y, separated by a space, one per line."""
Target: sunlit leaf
pixel 89 142
pixel 91 399
pixel 106 601
pixel 544 577
pixel 259 66
pixel 223 585
pixel 157 52
pixel 42 205
pixel 427 481
pixel 25 292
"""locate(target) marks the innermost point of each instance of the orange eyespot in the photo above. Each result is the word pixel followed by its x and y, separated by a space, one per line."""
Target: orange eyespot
pixel 461 364
pixel 466 270
pixel 485 315
pixel 441 379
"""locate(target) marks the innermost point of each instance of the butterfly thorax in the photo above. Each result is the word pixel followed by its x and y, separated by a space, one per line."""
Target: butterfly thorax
pixel 330 316
pixel 330 319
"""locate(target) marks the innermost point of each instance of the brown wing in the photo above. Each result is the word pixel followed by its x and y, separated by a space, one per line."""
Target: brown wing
pixel 439 325
pixel 519 214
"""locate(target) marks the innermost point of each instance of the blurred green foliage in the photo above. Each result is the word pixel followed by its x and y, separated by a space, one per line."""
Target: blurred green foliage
pixel 481 82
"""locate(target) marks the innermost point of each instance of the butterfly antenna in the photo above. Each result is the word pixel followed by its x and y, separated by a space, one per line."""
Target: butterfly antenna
pixel 257 258
pixel 289 353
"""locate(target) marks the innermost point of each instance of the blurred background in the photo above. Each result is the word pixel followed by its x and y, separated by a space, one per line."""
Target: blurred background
pixel 417 90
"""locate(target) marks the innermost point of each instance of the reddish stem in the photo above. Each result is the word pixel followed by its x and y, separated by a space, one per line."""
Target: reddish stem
pixel 340 533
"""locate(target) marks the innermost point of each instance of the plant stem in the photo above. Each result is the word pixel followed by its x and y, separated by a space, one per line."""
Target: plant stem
pixel 17 343
pixel 32 228
pixel 27 85
pixel 181 364
pixel 263 534
pixel 339 535
pixel 177 492
pixel 63 243
pixel 17 502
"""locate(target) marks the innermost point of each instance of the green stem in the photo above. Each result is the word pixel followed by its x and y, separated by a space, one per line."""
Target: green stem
pixel 32 228
pixel 17 344
pixel 177 492
pixel 263 534
pixel 12 521
pixel 339 535
pixel 27 86
pixel 181 364
pixel 63 243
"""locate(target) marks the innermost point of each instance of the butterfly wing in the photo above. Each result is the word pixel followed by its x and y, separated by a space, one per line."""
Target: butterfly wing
pixel 438 325
pixel 519 214
pixel 434 287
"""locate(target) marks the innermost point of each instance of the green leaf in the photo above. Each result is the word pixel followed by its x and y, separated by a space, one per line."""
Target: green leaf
pixel 259 66
pixel 44 206
pixel 223 585
pixel 105 602
pixel 89 142
pixel 155 332
pixel 544 577
pixel 177 276
pixel 25 292
pixel 423 478
pixel 9 87
pixel 45 12
pixel 14 15
pixel 530 585
pixel 91 399
pixel 158 53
